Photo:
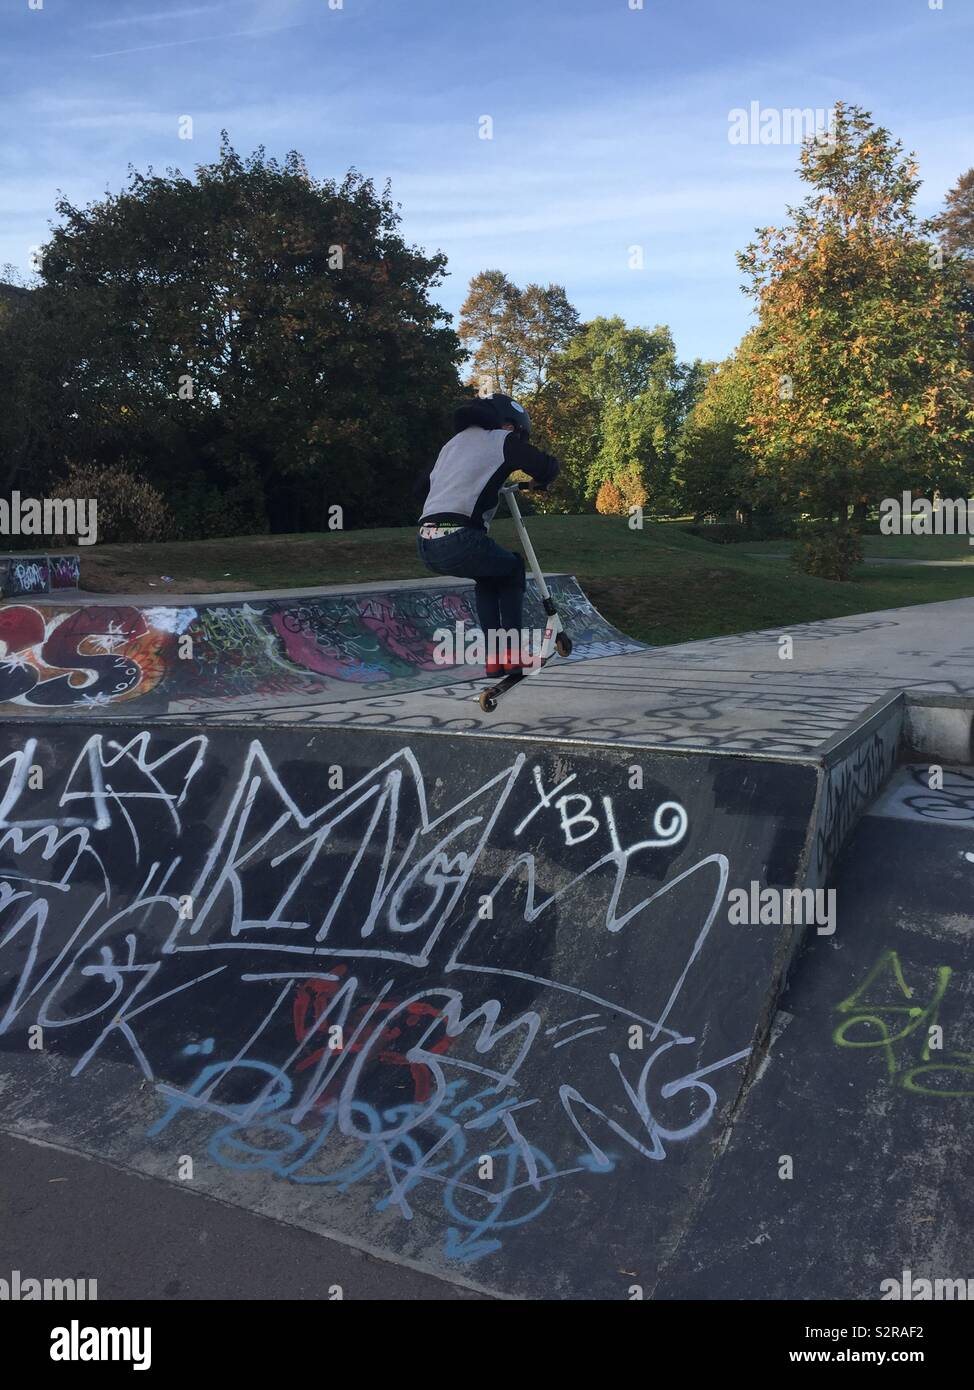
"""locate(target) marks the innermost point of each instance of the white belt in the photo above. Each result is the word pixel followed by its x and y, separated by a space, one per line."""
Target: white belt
pixel 430 532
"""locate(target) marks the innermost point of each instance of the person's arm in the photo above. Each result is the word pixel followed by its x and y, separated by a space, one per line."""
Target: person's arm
pixel 542 467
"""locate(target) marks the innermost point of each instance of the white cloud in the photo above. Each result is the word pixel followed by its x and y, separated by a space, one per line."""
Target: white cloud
pixel 155 16
pixel 197 39
pixel 581 167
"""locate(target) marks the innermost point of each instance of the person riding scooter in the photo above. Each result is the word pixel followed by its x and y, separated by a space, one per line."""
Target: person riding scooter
pixel 491 442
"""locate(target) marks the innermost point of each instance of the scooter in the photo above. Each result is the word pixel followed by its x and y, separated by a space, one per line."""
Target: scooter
pixel 556 639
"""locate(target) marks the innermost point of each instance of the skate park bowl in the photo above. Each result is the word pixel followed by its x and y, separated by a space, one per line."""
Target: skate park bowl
pixel 503 999
pixel 266 651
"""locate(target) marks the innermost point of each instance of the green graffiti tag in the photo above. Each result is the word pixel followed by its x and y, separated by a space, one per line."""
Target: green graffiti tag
pixel 867 1022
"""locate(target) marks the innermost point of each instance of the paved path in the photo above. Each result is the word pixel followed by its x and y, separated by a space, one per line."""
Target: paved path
pixel 365 658
pixel 72 1215
pixel 873 560
pixel 743 693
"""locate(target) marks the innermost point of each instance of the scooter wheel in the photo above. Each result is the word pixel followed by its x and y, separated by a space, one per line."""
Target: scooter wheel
pixel 487 702
pixel 563 644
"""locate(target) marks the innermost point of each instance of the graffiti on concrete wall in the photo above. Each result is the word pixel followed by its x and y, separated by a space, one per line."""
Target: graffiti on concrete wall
pixel 26 575
pixel 851 785
pixel 23 575
pixel 65 571
pixel 915 794
pixel 256 653
pixel 462 994
pixel 77 657
pixel 888 1015
pixel 374 639
pixel 657 710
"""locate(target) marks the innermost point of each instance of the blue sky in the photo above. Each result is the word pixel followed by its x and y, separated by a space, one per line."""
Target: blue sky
pixel 610 124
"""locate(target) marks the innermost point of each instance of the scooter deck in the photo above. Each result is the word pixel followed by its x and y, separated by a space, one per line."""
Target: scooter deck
pixel 488 698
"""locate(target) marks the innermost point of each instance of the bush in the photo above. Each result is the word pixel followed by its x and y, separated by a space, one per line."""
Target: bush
pixel 633 489
pixel 762 526
pixel 610 501
pixel 204 510
pixel 773 527
pixel 129 509
pixel 828 551
pixel 720 532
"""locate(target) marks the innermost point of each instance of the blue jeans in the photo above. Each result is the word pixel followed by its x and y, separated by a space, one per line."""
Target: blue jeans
pixel 469 553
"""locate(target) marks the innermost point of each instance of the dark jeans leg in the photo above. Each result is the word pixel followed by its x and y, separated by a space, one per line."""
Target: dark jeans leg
pixel 487 605
pixel 499 574
pixel 506 592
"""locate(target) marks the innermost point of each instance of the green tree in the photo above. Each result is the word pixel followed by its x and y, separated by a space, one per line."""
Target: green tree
pixel 38 343
pixel 256 342
pixel 487 329
pixel 615 400
pixel 716 471
pixel 858 378
pixel 955 226
pixel 546 322
pixel 956 223
pixel 513 335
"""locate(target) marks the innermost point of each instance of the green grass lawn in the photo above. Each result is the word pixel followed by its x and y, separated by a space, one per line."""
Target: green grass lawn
pixel 884 547
pixel 659 584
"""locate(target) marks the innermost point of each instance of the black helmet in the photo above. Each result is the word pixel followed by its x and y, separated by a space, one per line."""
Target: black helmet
pixel 509 412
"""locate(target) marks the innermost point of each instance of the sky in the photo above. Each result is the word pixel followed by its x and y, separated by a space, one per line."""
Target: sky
pixel 610 122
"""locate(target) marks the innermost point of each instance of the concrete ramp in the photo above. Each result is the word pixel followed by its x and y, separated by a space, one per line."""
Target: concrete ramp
pixel 481 999
pixel 261 653
pixel 847 1169
pixel 485 1016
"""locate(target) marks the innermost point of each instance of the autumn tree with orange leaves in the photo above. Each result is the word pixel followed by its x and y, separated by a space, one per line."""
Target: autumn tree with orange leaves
pixel 859 384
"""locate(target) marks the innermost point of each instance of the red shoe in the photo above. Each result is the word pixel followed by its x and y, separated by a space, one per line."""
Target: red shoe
pixel 493 668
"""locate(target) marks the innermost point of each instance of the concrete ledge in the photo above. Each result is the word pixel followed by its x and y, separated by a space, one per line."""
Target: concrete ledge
pixel 167 598
pixel 26 575
pixel 939 727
